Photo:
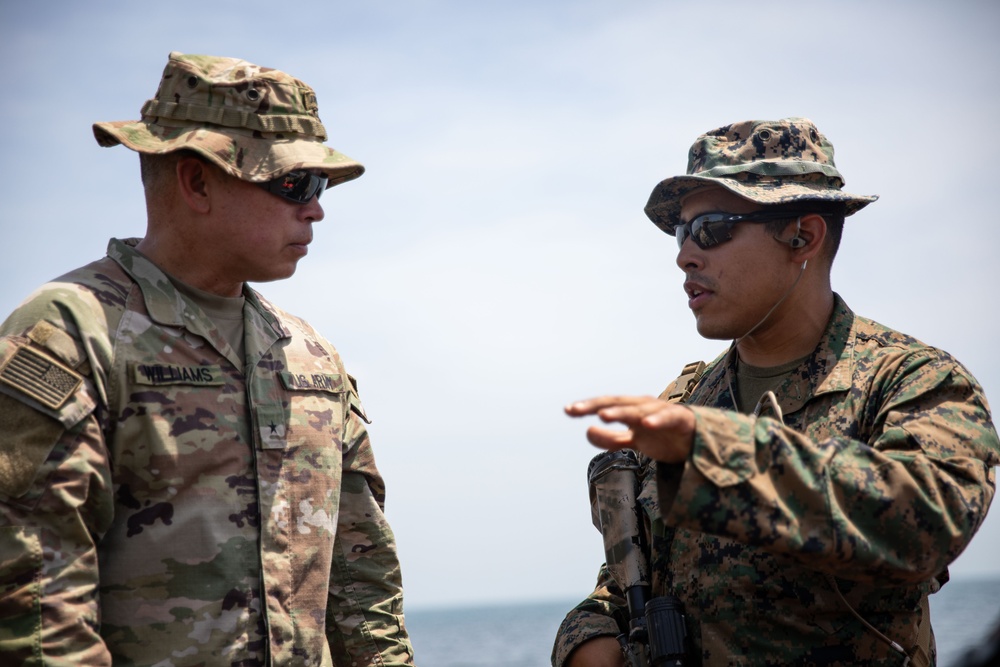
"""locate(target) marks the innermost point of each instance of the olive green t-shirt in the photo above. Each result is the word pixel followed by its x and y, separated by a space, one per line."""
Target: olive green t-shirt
pixel 752 382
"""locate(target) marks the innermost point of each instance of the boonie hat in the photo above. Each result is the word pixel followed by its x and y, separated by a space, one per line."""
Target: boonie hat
pixel 256 123
pixel 765 161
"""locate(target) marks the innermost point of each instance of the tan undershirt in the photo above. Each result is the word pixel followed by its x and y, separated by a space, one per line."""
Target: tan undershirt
pixel 225 312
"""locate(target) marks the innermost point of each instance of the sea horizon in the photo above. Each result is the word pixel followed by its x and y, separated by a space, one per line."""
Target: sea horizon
pixel 509 633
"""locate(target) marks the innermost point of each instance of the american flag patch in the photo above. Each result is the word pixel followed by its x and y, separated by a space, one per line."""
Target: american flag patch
pixel 40 377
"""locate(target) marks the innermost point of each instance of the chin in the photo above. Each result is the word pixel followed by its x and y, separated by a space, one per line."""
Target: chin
pixel 273 276
pixel 714 331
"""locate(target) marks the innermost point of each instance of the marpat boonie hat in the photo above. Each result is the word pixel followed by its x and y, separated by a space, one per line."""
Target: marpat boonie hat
pixel 256 123
pixel 768 162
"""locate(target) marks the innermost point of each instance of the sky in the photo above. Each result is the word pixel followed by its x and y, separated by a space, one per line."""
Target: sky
pixel 494 262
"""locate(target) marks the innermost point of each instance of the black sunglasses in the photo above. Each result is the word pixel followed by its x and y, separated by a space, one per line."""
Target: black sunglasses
pixel 298 186
pixel 712 229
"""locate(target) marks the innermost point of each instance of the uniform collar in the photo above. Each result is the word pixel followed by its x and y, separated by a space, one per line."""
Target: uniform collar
pixel 167 306
pixel 829 368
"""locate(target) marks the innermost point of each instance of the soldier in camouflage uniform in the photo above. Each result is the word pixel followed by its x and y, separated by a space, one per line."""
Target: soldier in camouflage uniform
pixel 810 492
pixel 185 472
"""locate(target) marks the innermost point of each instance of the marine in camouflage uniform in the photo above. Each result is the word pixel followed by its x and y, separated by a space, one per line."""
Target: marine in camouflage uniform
pixel 171 495
pixel 789 526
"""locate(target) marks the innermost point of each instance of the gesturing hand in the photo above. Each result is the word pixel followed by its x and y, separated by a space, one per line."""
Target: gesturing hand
pixel 660 430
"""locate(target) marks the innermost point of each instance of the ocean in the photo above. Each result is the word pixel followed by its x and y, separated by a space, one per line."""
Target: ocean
pixel 506 635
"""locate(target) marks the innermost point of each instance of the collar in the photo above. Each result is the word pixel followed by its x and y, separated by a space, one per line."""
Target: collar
pixel 166 305
pixel 829 368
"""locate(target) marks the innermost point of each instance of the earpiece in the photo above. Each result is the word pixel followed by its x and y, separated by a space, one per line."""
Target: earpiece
pixel 796 241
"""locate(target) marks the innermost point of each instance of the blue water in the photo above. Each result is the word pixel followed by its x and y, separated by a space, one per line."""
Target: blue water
pixel 963 612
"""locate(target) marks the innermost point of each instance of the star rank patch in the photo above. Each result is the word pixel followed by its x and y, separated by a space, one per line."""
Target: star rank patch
pixel 40 377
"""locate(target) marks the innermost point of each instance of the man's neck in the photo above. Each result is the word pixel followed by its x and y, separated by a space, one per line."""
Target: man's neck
pixel 793 334
pixel 177 263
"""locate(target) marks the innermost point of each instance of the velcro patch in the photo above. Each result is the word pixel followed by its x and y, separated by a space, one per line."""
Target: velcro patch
pixel 271 421
pixel 157 374
pixel 56 341
pixel 40 377
pixel 329 382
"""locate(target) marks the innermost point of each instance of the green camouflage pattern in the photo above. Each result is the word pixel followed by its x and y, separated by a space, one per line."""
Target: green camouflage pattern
pixel 769 162
pixel 878 480
pixel 256 123
pixel 180 508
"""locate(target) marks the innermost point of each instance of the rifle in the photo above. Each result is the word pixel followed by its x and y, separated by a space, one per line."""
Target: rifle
pixel 656 633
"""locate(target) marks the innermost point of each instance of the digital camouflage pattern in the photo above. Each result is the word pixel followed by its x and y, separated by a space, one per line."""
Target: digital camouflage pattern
pixel 877 481
pixel 769 162
pixel 256 123
pixel 160 503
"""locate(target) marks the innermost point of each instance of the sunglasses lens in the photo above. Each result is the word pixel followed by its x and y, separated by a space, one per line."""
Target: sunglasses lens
pixel 712 229
pixel 681 232
pixel 297 186
pixel 707 231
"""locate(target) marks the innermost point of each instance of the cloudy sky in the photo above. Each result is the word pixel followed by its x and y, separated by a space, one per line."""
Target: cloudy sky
pixel 494 263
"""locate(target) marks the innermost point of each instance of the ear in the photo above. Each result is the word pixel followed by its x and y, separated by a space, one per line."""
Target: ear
pixel 812 231
pixel 193 183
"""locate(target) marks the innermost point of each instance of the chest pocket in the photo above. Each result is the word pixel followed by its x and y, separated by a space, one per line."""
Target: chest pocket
pixel 310 413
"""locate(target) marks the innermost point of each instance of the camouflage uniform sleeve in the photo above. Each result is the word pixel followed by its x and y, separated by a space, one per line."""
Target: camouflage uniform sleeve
pixel 896 508
pixel 365 616
pixel 603 613
pixel 55 502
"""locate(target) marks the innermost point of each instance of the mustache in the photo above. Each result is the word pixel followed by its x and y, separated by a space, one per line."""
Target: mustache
pixel 701 280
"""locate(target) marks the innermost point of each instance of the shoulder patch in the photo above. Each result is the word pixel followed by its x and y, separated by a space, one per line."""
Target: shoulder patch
pixel 41 377
pixel 56 341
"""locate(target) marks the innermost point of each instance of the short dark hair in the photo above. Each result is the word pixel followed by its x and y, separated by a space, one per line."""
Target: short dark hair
pixel 833 212
pixel 154 166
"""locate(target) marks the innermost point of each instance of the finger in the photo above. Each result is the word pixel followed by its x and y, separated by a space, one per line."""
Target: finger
pixel 632 414
pixel 607 438
pixel 592 405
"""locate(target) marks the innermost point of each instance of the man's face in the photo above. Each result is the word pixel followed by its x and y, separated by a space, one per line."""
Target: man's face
pixel 258 236
pixel 733 285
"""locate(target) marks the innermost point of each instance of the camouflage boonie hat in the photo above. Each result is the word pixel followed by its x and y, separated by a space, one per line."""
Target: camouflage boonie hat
pixel 256 123
pixel 768 162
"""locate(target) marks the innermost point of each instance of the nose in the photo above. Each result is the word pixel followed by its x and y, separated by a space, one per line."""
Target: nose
pixel 690 256
pixel 312 211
